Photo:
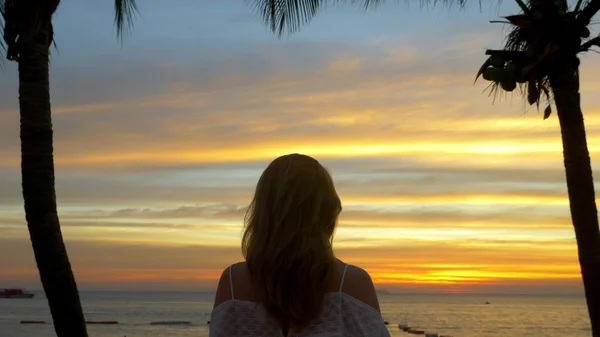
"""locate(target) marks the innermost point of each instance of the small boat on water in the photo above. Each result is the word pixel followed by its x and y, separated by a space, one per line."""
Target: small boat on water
pixel 15 293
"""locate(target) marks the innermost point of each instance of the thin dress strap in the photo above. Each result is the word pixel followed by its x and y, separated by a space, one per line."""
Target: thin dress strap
pixel 231 282
pixel 343 277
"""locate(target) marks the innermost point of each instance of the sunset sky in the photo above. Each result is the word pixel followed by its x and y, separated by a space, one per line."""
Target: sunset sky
pixel 159 143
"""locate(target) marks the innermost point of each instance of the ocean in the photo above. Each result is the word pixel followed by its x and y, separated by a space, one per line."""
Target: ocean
pixel 448 314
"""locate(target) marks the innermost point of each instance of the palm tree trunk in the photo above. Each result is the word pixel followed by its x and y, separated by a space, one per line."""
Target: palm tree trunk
pixel 564 81
pixel 37 169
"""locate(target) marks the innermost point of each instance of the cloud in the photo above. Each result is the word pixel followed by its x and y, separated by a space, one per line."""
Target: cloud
pixel 421 216
pixel 202 113
pixel 193 222
pixel 159 147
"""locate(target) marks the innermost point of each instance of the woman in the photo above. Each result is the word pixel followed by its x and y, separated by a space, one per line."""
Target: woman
pixel 291 284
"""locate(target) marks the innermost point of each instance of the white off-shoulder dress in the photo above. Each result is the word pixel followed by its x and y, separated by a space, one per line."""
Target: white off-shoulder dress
pixel 341 316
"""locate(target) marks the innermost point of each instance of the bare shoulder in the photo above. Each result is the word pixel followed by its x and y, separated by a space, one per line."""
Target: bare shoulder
pixel 224 287
pixel 358 284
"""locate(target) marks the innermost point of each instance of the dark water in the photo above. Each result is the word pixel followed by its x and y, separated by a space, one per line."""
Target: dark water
pixel 455 315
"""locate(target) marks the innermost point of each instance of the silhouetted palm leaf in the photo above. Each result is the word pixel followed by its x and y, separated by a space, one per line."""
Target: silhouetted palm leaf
pixel 125 11
pixel 536 36
pixel 291 15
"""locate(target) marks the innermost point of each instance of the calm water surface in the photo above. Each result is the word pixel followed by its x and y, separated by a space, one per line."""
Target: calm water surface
pixel 454 315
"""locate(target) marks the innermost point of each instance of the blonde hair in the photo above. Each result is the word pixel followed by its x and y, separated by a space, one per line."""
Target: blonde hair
pixel 287 238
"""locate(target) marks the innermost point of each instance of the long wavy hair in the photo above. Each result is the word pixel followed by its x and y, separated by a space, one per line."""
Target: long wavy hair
pixel 287 238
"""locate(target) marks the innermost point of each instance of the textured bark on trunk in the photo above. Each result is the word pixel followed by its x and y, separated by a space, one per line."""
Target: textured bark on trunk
pixel 580 183
pixel 37 169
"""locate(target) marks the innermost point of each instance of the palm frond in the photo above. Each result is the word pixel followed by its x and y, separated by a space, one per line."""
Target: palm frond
pixel 290 15
pixel 287 15
pixel 7 26
pixel 366 4
pixel 522 63
pixel 587 13
pixel 590 43
pixel 125 11
pixel 2 24
pixel 523 6
pixel 578 5
pixel 23 20
pixel 516 40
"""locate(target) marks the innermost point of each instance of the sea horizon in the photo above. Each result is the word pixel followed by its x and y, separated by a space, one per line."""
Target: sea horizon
pixel 465 315
pixel 382 291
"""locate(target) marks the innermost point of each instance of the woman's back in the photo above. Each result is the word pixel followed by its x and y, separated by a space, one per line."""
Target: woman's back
pixel 349 309
pixel 291 283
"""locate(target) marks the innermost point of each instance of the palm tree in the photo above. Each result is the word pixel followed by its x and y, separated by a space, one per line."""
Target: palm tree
pixel 28 35
pixel 539 58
